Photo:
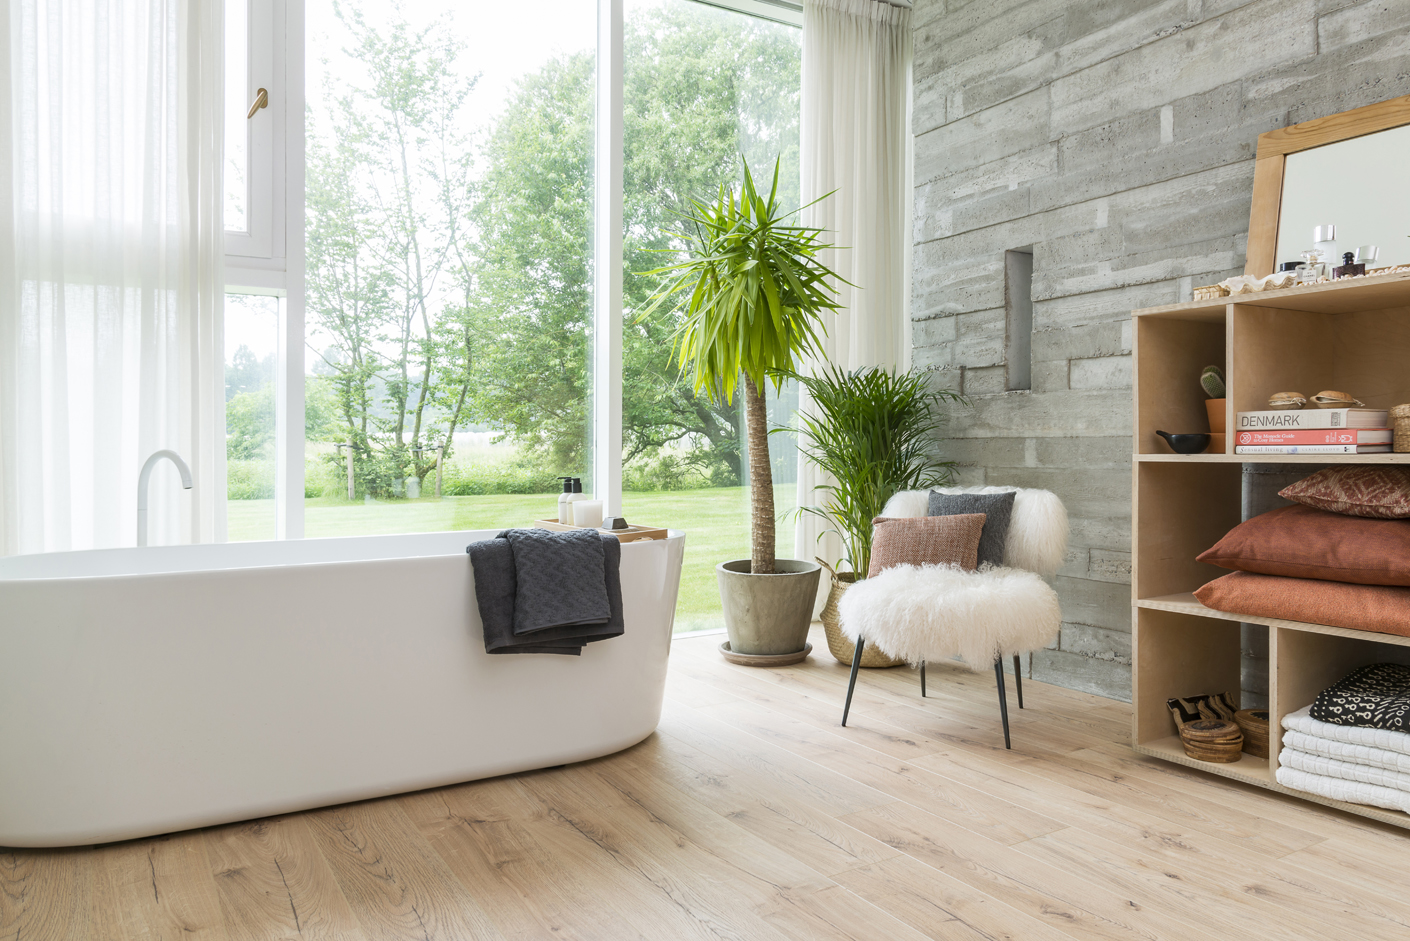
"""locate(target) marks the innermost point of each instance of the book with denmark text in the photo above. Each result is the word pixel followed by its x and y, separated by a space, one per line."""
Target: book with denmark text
pixel 1317 436
pixel 1312 418
pixel 1312 449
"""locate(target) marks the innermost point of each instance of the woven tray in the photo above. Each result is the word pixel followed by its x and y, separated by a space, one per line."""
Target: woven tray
pixel 1212 740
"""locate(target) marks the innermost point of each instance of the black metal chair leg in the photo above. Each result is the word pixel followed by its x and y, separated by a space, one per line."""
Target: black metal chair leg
pixel 852 683
pixel 922 679
pixel 1018 678
pixel 1003 699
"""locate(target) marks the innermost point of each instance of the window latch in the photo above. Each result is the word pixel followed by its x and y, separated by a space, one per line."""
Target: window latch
pixel 261 101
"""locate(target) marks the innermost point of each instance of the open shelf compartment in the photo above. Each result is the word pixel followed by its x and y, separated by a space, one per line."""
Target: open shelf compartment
pixel 1170 352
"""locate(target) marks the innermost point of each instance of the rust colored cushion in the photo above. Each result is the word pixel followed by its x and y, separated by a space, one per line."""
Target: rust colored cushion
pixel 1379 608
pixel 1301 542
pixel 1376 492
pixel 926 540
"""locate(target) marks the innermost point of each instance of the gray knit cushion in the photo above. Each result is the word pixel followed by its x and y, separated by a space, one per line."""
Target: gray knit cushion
pixel 996 507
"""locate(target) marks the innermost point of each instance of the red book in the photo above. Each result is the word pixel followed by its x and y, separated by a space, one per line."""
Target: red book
pixel 1316 436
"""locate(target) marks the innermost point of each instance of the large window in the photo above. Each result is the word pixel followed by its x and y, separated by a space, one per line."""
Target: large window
pixel 449 233
pixel 462 347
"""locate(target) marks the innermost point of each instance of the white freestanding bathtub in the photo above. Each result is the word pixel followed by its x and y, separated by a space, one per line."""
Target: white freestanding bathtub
pixel 144 691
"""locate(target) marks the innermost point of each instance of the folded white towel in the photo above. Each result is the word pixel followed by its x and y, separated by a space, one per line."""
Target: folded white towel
pixel 1346 770
pixel 1388 739
pixel 1352 791
pixel 1342 751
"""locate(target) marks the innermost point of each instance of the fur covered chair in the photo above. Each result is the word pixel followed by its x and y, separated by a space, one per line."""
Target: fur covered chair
pixel 938 612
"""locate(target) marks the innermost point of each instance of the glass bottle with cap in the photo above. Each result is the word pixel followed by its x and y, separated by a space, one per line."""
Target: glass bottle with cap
pixel 1311 268
pixel 1324 239
pixel 1348 268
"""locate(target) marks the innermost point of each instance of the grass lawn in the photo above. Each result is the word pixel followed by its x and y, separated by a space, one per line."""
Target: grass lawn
pixel 715 521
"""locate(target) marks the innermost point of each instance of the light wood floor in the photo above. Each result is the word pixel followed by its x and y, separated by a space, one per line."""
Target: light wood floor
pixel 751 815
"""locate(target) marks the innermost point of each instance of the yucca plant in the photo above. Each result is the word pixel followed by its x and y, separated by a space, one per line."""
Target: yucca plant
pixel 873 430
pixel 751 296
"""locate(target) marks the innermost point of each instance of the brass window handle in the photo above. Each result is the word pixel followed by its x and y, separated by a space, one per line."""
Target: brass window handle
pixel 261 101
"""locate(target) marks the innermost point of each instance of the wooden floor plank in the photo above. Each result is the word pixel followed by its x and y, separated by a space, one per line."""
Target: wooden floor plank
pixel 1248 899
pixel 942 907
pixel 957 803
pixel 156 888
pixel 1053 895
pixel 395 884
pixel 46 893
pixel 486 835
pixel 765 808
pixel 273 883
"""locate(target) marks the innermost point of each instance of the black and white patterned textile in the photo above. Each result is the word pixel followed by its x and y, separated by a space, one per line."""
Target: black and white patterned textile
pixel 1376 696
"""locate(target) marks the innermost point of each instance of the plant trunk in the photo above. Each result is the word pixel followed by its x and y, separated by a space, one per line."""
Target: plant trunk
pixel 761 482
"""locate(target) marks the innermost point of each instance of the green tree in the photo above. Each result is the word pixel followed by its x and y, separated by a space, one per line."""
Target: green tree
pixel 389 187
pixel 701 86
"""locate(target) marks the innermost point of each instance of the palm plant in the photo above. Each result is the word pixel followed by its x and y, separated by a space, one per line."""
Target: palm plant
pixel 751 296
pixel 873 431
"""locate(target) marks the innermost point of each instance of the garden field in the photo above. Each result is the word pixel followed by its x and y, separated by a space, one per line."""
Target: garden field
pixel 715 521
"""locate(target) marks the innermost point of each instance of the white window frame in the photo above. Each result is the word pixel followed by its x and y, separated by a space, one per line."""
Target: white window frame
pixel 269 259
pixel 256 240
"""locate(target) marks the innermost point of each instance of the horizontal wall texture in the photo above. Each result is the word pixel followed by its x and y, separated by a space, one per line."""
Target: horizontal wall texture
pixel 1115 140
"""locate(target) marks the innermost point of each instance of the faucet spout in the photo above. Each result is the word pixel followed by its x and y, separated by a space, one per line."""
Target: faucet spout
pixel 145 476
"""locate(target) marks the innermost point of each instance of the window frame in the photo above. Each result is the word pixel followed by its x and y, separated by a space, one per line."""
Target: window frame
pixel 275 264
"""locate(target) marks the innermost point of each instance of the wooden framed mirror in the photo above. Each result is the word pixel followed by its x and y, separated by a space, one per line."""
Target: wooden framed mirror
pixel 1340 170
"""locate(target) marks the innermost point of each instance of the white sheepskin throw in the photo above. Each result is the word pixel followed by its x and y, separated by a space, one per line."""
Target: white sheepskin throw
pixel 935 612
pixel 1037 539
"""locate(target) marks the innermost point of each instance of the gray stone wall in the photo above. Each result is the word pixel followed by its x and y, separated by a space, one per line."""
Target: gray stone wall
pixel 1116 138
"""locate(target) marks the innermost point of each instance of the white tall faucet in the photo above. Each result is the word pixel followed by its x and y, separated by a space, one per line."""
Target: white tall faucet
pixel 142 480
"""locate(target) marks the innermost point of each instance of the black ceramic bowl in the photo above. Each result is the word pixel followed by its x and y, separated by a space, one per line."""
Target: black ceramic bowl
pixel 1185 444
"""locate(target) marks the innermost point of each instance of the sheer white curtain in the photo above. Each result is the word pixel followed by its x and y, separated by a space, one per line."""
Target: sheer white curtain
pixel 110 270
pixel 856 141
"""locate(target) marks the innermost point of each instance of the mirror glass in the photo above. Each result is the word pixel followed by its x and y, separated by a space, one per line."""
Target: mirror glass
pixel 1358 185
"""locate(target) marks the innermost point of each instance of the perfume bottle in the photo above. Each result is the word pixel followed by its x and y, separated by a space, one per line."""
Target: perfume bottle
pixel 1311 268
pixel 1367 254
pixel 1324 239
pixel 1349 267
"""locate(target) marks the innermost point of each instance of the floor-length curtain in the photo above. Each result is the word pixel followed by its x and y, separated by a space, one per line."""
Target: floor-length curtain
pixel 110 270
pixel 856 142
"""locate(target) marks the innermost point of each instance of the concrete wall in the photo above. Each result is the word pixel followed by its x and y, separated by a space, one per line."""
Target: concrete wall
pixel 1115 137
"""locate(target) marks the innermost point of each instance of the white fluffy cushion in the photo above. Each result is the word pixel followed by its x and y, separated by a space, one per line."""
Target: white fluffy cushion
pixel 1037 539
pixel 935 612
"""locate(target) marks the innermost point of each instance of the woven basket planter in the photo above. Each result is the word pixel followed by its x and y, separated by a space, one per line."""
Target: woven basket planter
pixel 837 642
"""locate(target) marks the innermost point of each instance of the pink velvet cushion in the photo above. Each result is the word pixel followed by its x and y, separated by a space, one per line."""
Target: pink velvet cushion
pixel 1301 542
pixel 925 540
pixel 1379 608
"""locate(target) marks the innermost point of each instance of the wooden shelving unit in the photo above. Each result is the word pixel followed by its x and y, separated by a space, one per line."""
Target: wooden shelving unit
pixel 1352 336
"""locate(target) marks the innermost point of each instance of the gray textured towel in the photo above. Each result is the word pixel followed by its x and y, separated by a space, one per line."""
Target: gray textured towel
pixel 496 587
pixel 561 579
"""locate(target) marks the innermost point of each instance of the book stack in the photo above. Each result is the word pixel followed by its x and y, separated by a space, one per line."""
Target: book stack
pixel 1314 431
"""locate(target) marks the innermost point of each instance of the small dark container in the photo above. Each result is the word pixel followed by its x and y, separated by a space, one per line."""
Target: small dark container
pixel 1185 444
pixel 1290 266
pixel 1348 267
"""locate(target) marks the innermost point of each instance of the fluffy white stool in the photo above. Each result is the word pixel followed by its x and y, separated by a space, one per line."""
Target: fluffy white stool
pixel 937 612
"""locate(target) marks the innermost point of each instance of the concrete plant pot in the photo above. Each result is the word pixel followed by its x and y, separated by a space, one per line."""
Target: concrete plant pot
pixel 768 615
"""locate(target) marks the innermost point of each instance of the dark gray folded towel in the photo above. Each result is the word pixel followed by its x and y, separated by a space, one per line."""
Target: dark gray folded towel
pixel 561 579
pixel 496 587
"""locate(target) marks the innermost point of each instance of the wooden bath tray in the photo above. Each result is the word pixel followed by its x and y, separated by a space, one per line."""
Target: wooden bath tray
pixel 630 534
